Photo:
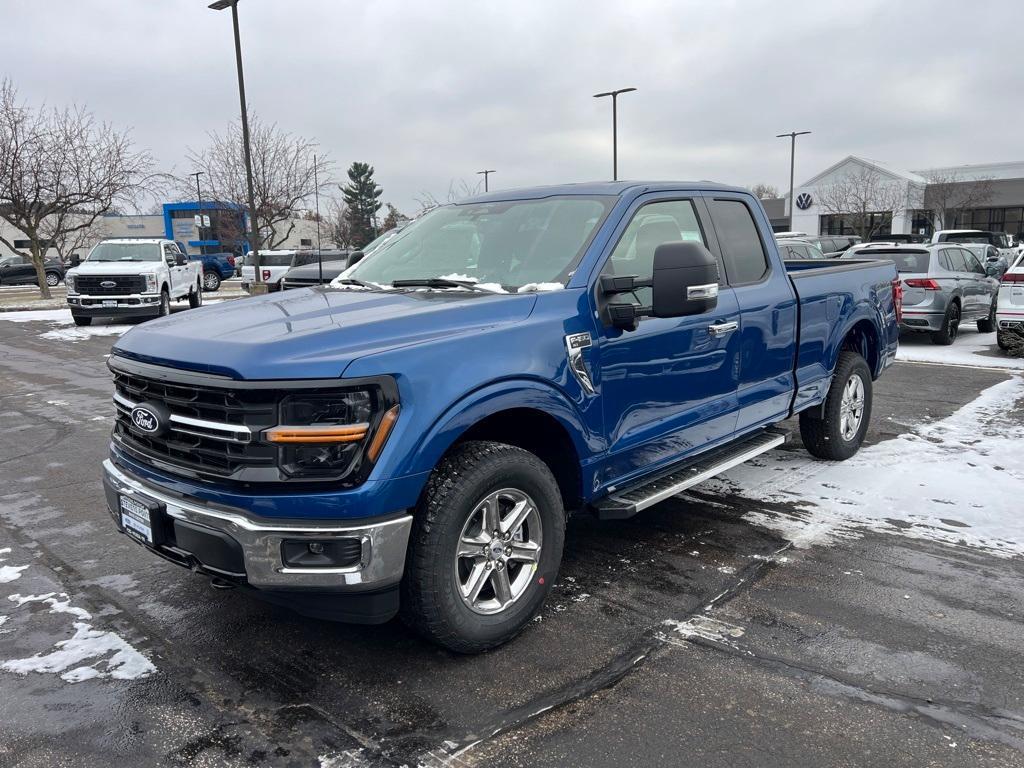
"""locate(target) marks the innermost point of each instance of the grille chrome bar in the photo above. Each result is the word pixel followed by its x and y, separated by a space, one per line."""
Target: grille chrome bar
pixel 235 433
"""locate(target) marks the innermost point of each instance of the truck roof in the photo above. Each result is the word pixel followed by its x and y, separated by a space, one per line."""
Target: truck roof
pixel 135 240
pixel 606 188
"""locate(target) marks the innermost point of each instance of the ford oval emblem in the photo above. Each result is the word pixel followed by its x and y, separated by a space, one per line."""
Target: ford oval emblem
pixel 108 284
pixel 145 420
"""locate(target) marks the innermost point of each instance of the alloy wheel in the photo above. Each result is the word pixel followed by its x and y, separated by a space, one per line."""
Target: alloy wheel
pixel 851 407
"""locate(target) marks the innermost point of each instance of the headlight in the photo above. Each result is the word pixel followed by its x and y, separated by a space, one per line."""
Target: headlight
pixel 335 434
pixel 150 282
pixel 69 283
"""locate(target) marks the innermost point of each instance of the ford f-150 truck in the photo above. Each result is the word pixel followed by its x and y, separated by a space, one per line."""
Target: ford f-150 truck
pixel 411 438
pixel 132 277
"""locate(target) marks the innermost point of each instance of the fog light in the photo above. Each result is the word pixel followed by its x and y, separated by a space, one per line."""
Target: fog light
pixel 321 553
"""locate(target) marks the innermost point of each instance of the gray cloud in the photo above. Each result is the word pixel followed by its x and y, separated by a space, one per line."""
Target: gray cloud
pixel 431 92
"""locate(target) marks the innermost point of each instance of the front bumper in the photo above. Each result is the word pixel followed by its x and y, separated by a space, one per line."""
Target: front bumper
pixel 135 305
pixel 230 543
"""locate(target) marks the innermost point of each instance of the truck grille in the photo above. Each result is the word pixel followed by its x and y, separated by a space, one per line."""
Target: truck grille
pixel 212 430
pixel 123 284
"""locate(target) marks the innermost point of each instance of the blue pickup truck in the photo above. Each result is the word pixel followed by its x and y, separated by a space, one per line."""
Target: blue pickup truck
pixel 217 267
pixel 410 439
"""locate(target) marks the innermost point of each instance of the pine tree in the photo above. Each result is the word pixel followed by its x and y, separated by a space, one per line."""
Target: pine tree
pixel 362 202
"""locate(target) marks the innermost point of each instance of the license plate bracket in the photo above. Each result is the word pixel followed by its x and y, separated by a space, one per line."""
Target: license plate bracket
pixel 140 518
pixel 109 302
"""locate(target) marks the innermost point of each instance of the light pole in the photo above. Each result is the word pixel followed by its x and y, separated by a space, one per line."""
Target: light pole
pixel 485 174
pixel 199 202
pixel 258 285
pixel 792 163
pixel 615 126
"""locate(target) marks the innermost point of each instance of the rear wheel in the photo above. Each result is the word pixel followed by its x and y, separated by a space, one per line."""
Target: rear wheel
pixel 989 323
pixel 81 319
pixel 211 281
pixel 950 326
pixel 485 547
pixel 836 434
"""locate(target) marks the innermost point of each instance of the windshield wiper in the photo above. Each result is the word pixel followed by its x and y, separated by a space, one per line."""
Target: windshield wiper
pixel 353 281
pixel 438 282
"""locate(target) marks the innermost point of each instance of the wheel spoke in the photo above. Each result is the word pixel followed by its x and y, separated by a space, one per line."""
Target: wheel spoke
pixel 491 516
pixel 502 587
pixel 525 551
pixel 514 520
pixel 472 546
pixel 477 578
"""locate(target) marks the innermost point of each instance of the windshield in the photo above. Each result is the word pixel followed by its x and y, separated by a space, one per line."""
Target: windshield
pixel 906 261
pixel 271 259
pixel 511 245
pixel 126 252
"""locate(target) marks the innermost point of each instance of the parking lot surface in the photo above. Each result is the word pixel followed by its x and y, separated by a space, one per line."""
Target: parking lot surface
pixel 792 612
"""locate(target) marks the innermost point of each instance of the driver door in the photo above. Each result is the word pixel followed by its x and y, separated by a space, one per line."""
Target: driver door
pixel 668 388
pixel 176 273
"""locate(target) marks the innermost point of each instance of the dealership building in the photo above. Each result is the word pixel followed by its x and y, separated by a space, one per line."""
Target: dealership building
pixel 1001 211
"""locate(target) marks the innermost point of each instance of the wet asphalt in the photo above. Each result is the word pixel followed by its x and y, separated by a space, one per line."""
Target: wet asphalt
pixel 882 650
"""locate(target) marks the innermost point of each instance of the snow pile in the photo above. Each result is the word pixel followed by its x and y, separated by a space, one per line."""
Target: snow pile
pixel 977 350
pixel 538 287
pixel 62 317
pixel 957 481
pixel 87 655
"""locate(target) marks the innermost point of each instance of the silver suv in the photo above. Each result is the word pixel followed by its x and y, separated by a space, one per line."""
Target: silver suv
pixel 943 285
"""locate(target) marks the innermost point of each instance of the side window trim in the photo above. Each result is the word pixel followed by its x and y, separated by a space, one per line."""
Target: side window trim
pixel 770 271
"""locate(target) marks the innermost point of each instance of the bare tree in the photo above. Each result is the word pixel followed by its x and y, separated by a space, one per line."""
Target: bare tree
pixel 949 194
pixel 283 174
pixel 335 224
pixel 67 240
pixel 764 191
pixel 456 191
pixel 60 171
pixel 860 196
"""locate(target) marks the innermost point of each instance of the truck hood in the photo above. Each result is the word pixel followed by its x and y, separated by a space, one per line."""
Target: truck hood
pixel 312 333
pixel 116 267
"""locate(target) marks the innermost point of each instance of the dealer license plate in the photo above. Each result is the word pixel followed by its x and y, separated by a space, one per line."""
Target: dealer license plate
pixel 135 519
pixel 110 302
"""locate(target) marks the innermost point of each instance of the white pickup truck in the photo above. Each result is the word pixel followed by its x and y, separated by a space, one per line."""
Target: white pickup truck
pixel 273 265
pixel 132 277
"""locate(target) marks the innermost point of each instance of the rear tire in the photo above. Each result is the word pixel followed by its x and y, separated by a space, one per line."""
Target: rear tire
pixel 81 319
pixel 989 323
pixel 950 326
pixel 479 486
pixel 838 433
pixel 211 281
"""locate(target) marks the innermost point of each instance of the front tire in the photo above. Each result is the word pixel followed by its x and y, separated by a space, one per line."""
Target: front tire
pixel 485 547
pixel 81 319
pixel 195 297
pixel 950 326
pixel 838 433
pixel 165 304
pixel 53 279
pixel 211 281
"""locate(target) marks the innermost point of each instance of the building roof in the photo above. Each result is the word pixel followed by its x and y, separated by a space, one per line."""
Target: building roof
pixel 1013 169
pixel 888 170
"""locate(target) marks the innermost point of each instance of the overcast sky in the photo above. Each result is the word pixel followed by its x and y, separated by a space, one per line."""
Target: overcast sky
pixel 430 92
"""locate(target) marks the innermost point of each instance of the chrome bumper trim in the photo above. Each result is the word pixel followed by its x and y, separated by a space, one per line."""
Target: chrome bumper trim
pixel 383 544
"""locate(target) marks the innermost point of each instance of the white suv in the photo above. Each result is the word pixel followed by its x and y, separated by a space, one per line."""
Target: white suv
pixel 1010 305
pixel 132 277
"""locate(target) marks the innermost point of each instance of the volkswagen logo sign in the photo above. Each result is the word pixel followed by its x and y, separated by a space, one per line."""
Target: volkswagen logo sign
pixel 804 201
pixel 108 284
pixel 150 418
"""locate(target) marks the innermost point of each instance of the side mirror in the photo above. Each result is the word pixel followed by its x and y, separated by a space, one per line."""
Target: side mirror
pixel 75 259
pixel 685 280
pixel 355 257
pixel 180 260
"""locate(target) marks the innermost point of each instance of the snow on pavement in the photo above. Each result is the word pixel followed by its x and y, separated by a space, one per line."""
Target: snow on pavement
pixel 62 317
pixel 957 481
pixel 978 350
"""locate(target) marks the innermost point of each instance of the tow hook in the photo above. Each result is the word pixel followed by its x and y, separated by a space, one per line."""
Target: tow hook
pixel 218 583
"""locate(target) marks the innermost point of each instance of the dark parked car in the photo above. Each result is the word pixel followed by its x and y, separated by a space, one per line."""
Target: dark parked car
pixel 19 270
pixel 897 238
pixel 309 274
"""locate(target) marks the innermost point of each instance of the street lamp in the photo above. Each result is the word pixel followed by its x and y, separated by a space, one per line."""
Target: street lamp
pixel 792 161
pixel 615 126
pixel 485 175
pixel 254 238
pixel 199 202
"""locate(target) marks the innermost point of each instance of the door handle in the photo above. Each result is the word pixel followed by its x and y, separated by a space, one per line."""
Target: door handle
pixel 721 329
